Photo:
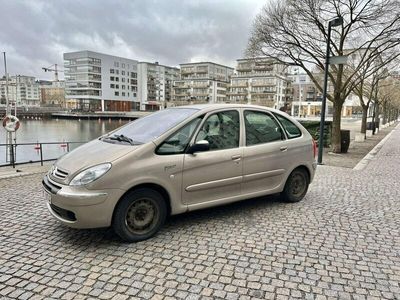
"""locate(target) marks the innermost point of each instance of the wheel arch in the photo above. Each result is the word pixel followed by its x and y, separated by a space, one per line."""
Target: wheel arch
pixel 153 186
pixel 305 168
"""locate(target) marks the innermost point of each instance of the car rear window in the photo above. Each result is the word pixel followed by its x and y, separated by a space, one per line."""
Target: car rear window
pixel 292 131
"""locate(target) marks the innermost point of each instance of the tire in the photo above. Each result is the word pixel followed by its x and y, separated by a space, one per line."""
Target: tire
pixel 296 186
pixel 139 215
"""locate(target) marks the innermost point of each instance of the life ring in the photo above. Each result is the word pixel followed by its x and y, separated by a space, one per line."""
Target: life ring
pixel 11 123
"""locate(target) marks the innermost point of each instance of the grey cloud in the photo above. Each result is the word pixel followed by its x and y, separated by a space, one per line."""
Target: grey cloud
pixel 36 33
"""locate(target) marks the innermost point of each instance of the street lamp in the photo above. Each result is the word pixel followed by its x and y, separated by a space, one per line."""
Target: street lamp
pixel 332 23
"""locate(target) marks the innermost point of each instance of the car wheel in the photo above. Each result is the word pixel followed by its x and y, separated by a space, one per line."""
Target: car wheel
pixel 139 215
pixel 296 186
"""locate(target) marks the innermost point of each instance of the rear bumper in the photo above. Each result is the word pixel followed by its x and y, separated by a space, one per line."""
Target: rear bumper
pixel 79 207
pixel 313 170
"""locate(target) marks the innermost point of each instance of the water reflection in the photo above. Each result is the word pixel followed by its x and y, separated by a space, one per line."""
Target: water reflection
pixel 33 131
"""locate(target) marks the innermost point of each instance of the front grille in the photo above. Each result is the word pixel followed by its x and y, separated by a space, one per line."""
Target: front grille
pixel 63 213
pixel 60 173
pixel 50 186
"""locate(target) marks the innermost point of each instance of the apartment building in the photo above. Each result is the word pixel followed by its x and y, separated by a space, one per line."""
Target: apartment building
pixel 101 82
pixel 155 85
pixel 22 90
pixel 307 99
pixel 259 81
pixel 52 93
pixel 202 82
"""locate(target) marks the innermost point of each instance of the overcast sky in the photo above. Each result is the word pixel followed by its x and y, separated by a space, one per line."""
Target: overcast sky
pixel 35 34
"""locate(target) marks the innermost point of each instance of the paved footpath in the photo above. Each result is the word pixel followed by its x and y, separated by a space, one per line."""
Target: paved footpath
pixel 341 242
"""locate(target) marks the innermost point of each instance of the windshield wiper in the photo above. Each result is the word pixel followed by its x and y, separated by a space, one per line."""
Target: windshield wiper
pixel 122 138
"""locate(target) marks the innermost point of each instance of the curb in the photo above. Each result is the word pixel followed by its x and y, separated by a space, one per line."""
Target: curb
pixel 371 155
pixel 20 174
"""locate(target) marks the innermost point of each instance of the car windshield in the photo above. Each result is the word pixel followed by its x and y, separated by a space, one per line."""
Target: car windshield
pixel 148 128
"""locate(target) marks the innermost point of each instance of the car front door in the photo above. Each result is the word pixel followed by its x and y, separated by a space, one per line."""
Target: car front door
pixel 215 175
pixel 265 160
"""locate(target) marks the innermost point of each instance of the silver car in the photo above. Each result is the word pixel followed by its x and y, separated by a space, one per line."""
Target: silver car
pixel 178 160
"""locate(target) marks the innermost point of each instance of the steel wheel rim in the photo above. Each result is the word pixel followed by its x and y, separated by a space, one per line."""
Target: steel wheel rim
pixel 298 185
pixel 141 216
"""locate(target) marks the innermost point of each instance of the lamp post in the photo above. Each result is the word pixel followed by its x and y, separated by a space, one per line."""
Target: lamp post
pixel 332 23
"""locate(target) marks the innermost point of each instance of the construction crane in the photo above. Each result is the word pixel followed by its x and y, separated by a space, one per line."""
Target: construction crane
pixel 55 70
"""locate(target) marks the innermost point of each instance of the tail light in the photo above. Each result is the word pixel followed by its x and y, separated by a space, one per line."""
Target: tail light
pixel 314 144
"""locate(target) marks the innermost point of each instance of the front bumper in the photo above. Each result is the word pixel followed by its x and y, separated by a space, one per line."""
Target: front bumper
pixel 79 207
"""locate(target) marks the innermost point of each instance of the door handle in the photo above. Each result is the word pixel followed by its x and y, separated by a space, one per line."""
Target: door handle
pixel 236 157
pixel 283 149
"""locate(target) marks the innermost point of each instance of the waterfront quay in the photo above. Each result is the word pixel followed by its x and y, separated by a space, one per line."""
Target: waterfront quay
pixel 341 242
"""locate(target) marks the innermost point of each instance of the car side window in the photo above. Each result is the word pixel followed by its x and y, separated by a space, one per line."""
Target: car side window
pixel 292 131
pixel 261 128
pixel 177 142
pixel 221 130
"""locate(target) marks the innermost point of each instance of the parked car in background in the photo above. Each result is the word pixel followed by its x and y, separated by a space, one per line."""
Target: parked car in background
pixel 178 160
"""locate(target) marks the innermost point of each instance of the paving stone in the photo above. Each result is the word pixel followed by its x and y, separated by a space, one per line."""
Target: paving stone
pixel 342 241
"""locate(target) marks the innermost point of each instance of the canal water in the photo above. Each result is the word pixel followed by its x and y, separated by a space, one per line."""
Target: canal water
pixel 54 130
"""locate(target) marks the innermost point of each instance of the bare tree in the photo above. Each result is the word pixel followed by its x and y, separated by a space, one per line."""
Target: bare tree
pixel 389 98
pixel 366 90
pixel 294 32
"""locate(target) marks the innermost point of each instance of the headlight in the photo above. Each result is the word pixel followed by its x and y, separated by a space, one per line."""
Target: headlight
pixel 90 175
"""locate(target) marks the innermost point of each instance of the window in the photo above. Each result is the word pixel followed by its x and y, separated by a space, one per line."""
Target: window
pixel 122 72
pixel 116 78
pixel 112 78
pixel 116 93
pixel 261 128
pixel 148 128
pixel 123 87
pixel 123 94
pixel 117 72
pixel 116 64
pixel 123 66
pixel 123 79
pixel 221 130
pixel 292 131
pixel 112 71
pixel 117 86
pixel 112 86
pixel 177 143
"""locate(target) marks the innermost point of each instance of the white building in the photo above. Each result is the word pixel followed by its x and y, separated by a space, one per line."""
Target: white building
pixel 258 81
pixel 202 82
pixel 24 90
pixel 155 85
pixel 103 82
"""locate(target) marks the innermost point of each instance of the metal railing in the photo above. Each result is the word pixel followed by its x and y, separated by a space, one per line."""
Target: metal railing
pixel 12 151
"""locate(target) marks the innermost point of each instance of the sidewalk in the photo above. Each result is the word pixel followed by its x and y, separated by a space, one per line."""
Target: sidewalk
pixel 357 150
pixel 23 170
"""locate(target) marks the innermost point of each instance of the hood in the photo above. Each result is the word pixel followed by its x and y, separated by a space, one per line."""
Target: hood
pixel 90 154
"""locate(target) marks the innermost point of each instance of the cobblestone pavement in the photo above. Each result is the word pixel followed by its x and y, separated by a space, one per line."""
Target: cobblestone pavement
pixel 341 242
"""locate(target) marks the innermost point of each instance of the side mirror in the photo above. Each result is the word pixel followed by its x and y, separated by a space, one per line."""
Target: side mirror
pixel 200 146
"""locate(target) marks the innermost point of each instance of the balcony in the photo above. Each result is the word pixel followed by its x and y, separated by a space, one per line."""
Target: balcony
pixel 202 70
pixel 244 67
pixel 263 67
pixel 237 93
pixel 239 84
pixel 262 83
pixel 187 71
pixel 265 92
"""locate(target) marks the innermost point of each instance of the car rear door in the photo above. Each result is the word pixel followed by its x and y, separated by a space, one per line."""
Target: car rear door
pixel 265 156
